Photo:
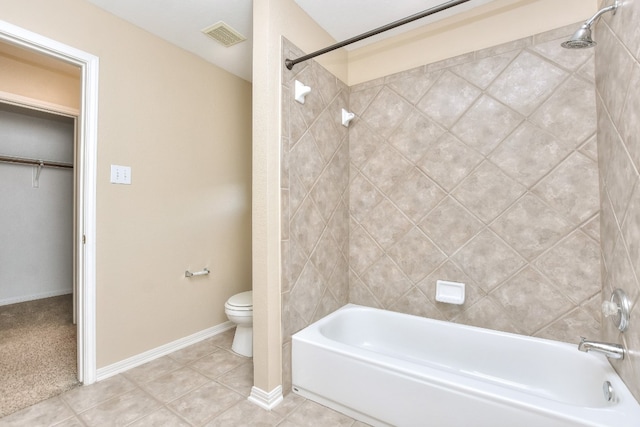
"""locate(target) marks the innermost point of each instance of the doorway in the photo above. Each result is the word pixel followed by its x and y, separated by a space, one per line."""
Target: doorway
pixel 85 207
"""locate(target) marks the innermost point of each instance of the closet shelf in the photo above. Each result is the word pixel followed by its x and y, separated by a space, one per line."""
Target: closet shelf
pixel 44 163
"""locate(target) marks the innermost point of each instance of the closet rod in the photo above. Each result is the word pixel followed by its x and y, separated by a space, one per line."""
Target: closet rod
pixel 45 163
pixel 289 63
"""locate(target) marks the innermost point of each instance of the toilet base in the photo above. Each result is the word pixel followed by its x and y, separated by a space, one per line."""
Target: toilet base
pixel 243 341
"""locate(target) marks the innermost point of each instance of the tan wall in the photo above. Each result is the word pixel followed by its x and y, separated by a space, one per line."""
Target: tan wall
pixel 25 75
pixel 183 125
pixel 488 25
pixel 618 101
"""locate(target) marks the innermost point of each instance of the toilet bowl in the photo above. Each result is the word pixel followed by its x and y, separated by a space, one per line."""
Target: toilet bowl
pixel 239 310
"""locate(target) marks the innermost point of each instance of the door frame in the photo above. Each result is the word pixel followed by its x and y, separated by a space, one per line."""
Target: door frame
pixel 85 228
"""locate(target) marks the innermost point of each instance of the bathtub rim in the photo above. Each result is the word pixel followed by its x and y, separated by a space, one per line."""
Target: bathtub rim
pixel 529 402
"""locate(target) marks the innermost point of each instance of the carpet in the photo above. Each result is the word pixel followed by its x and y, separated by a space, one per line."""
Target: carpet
pixel 37 352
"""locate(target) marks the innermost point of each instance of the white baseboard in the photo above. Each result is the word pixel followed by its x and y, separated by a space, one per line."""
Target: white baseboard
pixel 25 298
pixel 148 356
pixel 266 400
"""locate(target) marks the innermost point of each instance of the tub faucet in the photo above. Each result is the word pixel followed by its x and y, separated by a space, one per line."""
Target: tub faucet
pixel 612 351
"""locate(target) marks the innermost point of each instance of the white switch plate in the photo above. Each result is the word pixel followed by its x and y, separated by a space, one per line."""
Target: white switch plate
pixel 120 174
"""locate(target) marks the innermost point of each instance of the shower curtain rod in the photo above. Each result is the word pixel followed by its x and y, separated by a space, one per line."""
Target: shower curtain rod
pixel 289 63
pixel 44 163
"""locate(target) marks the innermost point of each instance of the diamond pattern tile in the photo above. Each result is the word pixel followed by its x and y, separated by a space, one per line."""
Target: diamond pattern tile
pixel 526 82
pixel 386 224
pixel 516 295
pixel 307 226
pixel 413 84
pixel 386 168
pixel 416 255
pixel 364 196
pixel 386 111
pixel 362 142
pixel 364 251
pixel 448 98
pixel 527 170
pixel 306 161
pixel 416 195
pixel 449 161
pixel 450 225
pixel 386 281
pixel 307 292
pixel 488 260
pixel 487 314
pixel 415 135
pixel 415 303
pixel 482 72
pixel 531 227
pixel 565 117
pixel 487 192
pixel 486 124
pixel 572 188
pixel 479 169
pixel 572 266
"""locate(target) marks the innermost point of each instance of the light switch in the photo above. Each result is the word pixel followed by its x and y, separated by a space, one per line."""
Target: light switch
pixel 120 174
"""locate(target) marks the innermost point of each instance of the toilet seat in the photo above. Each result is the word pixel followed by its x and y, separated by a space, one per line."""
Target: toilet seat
pixel 240 302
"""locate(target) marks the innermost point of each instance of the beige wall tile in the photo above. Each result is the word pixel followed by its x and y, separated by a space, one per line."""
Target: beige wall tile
pixel 617 79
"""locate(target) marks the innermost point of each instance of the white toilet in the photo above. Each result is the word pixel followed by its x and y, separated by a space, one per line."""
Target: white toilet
pixel 239 309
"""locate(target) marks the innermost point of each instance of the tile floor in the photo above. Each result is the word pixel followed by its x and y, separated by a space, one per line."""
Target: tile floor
pixel 202 385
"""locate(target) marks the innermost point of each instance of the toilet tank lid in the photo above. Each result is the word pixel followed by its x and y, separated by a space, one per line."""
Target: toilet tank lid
pixel 242 299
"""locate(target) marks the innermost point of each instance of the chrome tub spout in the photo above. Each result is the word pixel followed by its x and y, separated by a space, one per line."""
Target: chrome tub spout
pixel 612 351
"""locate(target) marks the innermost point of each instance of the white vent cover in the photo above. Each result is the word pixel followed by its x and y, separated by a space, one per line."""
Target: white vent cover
pixel 224 34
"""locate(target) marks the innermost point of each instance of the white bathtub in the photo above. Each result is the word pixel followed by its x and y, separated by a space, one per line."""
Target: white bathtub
pixel 387 368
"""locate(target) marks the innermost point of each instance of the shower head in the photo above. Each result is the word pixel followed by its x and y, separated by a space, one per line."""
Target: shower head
pixel 581 39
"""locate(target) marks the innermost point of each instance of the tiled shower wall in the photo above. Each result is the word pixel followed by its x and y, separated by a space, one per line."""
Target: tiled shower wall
pixel 618 102
pixel 481 169
pixel 314 189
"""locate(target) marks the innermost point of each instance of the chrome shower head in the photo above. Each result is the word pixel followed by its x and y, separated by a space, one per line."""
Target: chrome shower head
pixel 581 39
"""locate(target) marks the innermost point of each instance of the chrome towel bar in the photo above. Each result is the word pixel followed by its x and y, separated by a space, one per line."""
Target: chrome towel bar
pixel 196 273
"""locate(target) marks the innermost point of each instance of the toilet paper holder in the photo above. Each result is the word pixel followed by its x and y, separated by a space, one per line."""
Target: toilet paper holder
pixel 204 272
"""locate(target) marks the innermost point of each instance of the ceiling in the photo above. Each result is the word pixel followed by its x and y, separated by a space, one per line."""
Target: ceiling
pixel 180 22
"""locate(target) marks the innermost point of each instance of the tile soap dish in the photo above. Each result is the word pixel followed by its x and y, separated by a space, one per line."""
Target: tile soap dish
pixel 450 292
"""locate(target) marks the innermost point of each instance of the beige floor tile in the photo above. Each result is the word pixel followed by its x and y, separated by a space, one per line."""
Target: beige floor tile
pixel 245 414
pixel 152 370
pixel 239 379
pixel 289 404
pixel 49 412
pixel 194 352
pixel 314 415
pixel 70 422
pixel 223 340
pixel 218 363
pixel 161 418
pixel 174 384
pixel 120 410
pixel 204 403
pixel 83 398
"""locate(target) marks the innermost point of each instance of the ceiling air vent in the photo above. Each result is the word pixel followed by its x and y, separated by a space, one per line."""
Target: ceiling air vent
pixel 224 34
